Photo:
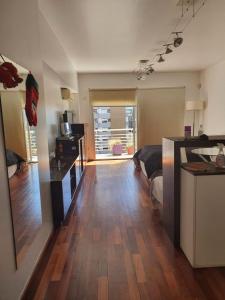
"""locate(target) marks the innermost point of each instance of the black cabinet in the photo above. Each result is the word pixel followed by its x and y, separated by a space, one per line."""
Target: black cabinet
pixel 63 186
pixel 64 182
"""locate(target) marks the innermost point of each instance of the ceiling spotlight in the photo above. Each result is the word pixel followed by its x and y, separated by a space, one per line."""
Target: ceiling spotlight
pixel 143 61
pixel 149 70
pixel 168 49
pixel 138 77
pixel 178 39
pixel 141 76
pixel 161 59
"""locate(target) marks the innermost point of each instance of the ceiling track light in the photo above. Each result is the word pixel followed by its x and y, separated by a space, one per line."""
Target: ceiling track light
pixel 168 49
pixel 144 68
pixel 143 61
pixel 178 40
pixel 138 77
pixel 141 76
pixel 149 69
pixel 161 59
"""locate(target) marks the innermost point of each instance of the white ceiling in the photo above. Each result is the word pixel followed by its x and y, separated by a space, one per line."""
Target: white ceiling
pixel 112 35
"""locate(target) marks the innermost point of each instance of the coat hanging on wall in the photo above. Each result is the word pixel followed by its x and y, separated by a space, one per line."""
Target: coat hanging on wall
pixel 9 75
pixel 32 96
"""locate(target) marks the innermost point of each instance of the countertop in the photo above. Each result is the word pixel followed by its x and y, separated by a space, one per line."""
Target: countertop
pixel 203 169
pixel 57 174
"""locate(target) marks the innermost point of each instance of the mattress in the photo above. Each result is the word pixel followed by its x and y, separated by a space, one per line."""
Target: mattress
pixel 156 185
pixel 157 188
pixel 12 170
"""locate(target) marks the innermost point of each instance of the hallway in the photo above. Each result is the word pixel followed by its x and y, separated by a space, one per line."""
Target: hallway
pixel 114 247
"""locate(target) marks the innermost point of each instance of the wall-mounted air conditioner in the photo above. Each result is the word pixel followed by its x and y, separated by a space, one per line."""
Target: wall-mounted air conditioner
pixel 66 93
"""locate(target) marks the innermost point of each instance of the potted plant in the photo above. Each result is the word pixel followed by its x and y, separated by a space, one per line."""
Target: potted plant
pixel 116 147
pixel 130 149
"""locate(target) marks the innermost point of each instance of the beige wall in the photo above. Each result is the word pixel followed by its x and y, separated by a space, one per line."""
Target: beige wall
pixel 188 80
pixel 160 114
pixel 21 42
pixel 12 111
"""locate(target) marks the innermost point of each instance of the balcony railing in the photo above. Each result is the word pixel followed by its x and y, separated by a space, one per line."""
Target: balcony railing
pixel 114 141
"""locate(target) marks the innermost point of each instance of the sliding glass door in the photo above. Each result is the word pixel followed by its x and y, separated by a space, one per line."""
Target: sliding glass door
pixel 115 133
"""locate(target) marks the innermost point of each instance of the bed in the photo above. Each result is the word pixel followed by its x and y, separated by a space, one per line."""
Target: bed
pixel 148 160
pixel 13 162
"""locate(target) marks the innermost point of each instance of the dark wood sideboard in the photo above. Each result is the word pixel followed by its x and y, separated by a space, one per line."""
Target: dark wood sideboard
pixel 171 179
pixel 65 180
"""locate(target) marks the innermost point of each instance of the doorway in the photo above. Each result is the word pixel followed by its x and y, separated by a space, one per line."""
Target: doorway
pixel 115 131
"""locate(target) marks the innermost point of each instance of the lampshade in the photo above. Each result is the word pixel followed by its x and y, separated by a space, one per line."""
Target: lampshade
pixel 194 105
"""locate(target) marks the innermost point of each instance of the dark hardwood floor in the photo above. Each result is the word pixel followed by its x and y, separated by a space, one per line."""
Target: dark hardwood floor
pixel 114 247
pixel 26 208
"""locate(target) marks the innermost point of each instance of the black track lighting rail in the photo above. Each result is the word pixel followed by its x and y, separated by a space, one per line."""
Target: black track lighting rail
pixel 177 41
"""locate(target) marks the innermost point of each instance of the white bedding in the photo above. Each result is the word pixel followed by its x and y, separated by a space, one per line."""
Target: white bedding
pixel 157 188
pixel 156 184
pixel 12 170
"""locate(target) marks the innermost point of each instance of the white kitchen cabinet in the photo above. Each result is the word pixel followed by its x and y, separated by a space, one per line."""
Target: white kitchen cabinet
pixel 202 219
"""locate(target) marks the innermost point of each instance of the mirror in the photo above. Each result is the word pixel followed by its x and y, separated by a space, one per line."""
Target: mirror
pixel 22 166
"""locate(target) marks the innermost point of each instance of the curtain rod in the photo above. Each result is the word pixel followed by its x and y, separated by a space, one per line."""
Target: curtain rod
pixel 114 89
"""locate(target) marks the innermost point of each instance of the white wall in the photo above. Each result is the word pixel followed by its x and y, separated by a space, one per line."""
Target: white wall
pixel 54 55
pixel 52 86
pixel 20 41
pixel 213 92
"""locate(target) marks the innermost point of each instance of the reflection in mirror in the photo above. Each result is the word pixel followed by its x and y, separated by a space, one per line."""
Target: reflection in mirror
pixel 22 167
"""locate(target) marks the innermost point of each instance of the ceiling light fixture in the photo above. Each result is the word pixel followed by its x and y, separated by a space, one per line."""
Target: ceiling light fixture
pixel 141 76
pixel 168 49
pixel 161 59
pixel 149 69
pixel 143 62
pixel 178 40
pixel 145 66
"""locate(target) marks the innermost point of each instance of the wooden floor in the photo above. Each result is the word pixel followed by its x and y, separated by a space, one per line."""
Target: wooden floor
pixel 26 208
pixel 114 247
